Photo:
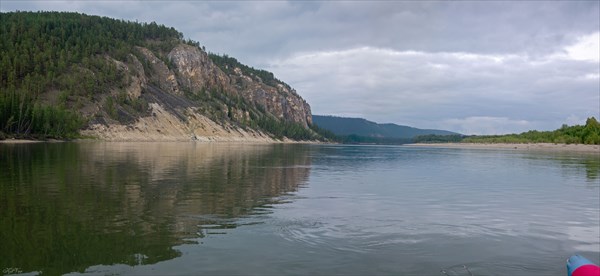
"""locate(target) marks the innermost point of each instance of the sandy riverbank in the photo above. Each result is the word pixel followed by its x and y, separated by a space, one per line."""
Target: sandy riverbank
pixel 203 140
pixel 19 141
pixel 526 147
pixel 285 141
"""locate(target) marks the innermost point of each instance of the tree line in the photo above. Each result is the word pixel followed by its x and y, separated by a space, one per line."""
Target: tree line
pixel 578 134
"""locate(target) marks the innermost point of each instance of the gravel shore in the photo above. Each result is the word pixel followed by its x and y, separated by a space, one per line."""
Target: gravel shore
pixel 18 141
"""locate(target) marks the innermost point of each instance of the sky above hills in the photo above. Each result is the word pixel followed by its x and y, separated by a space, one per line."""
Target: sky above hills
pixel 474 67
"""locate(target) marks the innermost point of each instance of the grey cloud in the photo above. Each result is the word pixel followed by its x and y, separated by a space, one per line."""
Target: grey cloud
pixel 256 31
pixel 429 89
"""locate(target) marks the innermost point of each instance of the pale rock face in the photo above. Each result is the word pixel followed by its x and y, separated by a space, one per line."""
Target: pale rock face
pixel 279 101
pixel 196 72
pixel 166 78
pixel 195 69
pixel 138 78
pixel 174 117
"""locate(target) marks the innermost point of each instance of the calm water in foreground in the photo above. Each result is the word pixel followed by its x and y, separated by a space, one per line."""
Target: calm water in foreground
pixel 193 208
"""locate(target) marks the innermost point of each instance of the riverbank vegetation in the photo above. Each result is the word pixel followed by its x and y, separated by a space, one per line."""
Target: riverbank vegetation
pixel 21 117
pixel 588 134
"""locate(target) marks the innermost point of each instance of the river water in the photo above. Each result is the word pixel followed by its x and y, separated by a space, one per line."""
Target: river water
pixel 217 208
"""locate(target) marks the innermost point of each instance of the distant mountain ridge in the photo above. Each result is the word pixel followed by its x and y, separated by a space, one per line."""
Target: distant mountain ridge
pixel 361 127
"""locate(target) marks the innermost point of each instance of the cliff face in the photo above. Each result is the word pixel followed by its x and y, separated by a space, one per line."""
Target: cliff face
pixel 195 69
pixel 197 72
pixel 189 97
pixel 279 101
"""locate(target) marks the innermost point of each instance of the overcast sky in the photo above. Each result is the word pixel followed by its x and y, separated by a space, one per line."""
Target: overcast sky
pixel 475 67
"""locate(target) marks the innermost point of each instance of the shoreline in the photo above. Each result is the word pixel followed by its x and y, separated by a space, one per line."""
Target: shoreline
pixel 240 141
pixel 20 141
pixel 547 147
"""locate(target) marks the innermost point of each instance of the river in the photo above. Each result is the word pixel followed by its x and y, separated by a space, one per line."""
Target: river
pixel 219 208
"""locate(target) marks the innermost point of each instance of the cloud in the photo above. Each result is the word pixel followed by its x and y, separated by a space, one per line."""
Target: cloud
pixel 441 89
pixel 586 48
pixel 254 31
pixel 488 125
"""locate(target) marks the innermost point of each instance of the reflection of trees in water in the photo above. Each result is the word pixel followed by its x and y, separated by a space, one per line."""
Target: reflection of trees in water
pixel 592 168
pixel 67 206
pixel 573 163
pixel 588 164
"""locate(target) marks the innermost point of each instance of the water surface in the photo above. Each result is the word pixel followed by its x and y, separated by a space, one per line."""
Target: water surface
pixel 199 208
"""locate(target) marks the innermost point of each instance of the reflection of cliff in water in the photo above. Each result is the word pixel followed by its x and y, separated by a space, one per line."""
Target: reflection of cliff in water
pixel 67 206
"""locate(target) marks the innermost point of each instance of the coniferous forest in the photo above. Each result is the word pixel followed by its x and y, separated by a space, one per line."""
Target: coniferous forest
pixel 52 62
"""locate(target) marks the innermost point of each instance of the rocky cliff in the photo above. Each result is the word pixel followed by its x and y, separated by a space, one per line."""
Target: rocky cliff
pixel 190 97
pixel 196 72
pixel 132 81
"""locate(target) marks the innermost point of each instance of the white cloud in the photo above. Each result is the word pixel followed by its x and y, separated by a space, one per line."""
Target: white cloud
pixel 586 48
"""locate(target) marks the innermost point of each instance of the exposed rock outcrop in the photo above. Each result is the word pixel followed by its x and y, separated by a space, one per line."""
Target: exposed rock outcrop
pixel 195 69
pixel 181 91
pixel 197 73
pixel 163 76
pixel 280 101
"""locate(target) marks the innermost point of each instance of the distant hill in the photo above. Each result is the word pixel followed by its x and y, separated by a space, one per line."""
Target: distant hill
pixel 358 127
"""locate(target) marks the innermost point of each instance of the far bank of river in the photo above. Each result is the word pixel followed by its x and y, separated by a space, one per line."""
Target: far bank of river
pixel 595 149
pixel 530 147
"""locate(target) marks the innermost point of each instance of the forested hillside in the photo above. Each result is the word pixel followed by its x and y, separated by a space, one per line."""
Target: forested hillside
pixel 358 130
pixel 52 62
pixel 63 72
